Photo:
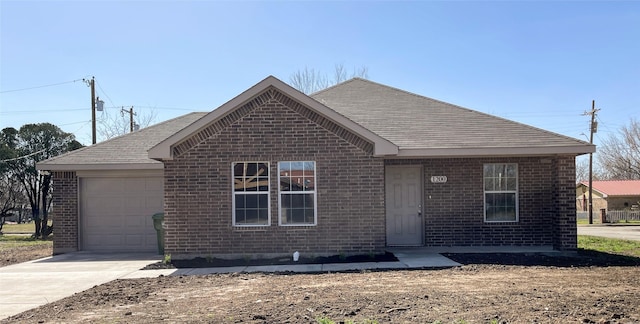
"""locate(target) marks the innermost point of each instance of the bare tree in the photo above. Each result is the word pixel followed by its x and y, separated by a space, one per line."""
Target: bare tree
pixel 619 156
pixel 309 80
pixel 582 171
pixel 10 196
pixel 115 124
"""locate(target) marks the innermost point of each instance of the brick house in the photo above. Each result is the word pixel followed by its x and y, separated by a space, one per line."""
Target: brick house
pixel 354 168
pixel 609 195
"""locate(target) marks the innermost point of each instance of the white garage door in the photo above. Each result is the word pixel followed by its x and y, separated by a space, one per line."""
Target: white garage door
pixel 116 213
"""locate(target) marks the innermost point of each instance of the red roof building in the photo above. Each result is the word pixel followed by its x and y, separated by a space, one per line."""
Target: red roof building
pixel 610 195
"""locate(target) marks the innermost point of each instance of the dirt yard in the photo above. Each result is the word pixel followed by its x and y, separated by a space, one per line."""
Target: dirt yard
pixel 24 253
pixel 479 292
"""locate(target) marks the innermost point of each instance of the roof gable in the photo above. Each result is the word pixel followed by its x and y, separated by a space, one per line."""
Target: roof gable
pixel 615 187
pixel 200 129
pixel 424 127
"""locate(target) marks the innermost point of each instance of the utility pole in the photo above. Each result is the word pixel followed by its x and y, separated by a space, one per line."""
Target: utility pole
pixel 593 129
pixel 131 114
pixel 92 84
pixel 94 100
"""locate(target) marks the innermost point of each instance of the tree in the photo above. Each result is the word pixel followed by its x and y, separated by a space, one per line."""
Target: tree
pixel 113 125
pixel 10 197
pixel 582 170
pixel 10 189
pixel 619 156
pixel 27 146
pixel 309 81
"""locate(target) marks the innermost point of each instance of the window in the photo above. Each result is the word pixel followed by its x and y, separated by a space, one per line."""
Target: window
pixel 501 192
pixel 297 193
pixel 250 193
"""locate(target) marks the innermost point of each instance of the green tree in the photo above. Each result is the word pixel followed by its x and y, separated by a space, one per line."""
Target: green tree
pixel 25 147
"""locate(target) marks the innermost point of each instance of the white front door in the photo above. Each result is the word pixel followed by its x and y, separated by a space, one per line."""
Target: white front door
pixel 403 200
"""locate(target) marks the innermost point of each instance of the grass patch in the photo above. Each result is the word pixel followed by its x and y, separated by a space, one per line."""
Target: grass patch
pixel 13 241
pixel 20 228
pixel 609 245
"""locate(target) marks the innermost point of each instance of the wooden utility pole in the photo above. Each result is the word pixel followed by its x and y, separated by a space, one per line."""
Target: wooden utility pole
pixel 131 114
pixel 593 129
pixel 92 84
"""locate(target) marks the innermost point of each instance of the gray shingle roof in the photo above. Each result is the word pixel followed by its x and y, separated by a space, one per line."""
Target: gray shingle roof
pixel 410 124
pixel 124 152
pixel 415 122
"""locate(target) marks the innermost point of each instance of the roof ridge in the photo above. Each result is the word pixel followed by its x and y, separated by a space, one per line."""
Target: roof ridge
pixel 335 85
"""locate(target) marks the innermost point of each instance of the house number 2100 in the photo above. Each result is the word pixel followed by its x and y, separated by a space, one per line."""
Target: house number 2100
pixel 438 179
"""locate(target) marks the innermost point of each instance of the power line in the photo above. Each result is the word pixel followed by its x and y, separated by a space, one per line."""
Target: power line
pixel 42 86
pixel 39 111
pixel 102 90
pixel 24 156
pixel 75 123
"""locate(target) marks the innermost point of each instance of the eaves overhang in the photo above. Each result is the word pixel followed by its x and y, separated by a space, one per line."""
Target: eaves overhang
pixel 99 166
pixel 494 151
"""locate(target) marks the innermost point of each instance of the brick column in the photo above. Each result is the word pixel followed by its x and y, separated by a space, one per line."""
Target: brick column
pixel 65 212
pixel 564 220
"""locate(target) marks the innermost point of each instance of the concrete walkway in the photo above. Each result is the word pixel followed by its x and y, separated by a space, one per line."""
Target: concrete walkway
pixel 30 284
pixel 407 260
pixel 67 274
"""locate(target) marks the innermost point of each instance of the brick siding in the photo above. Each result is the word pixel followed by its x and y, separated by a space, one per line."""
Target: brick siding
pixel 565 235
pixel 350 191
pixel 65 211
pixel 454 211
pixel 272 128
pixel 350 184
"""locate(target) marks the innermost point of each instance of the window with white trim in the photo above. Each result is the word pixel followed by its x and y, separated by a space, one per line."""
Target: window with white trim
pixel 297 193
pixel 501 192
pixel 250 193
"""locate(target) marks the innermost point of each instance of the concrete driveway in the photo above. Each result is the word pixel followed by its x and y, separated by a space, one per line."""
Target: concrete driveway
pixel 624 232
pixel 31 284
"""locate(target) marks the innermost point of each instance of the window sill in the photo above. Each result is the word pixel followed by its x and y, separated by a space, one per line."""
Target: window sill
pixel 298 225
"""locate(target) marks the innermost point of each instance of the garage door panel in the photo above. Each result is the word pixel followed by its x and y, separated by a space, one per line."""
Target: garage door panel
pixel 104 186
pixel 155 202
pixel 136 222
pixel 154 184
pixel 116 213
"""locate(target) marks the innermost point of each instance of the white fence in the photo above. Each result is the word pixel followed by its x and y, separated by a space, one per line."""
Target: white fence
pixel 612 216
pixel 615 216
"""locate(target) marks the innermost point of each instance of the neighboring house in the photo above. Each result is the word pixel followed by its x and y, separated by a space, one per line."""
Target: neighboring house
pixel 609 195
pixel 354 168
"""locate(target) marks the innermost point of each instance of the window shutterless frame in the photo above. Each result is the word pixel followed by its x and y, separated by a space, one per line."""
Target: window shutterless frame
pixel 500 181
pixel 250 185
pixel 297 193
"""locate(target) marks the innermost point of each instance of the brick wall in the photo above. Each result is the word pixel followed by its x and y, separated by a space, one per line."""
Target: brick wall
pixel 565 228
pixel 65 212
pixel 619 203
pixel 272 128
pixel 454 211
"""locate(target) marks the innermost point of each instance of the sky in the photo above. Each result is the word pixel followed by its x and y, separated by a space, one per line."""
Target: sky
pixel 536 62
